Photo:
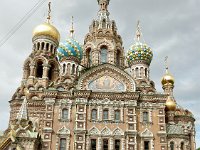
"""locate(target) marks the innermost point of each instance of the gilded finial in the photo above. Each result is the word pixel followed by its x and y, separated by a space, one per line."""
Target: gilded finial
pixel 49 13
pixel 166 63
pixel 72 27
pixel 138 32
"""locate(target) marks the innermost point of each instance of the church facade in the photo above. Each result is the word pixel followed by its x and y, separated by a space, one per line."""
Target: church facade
pixel 93 96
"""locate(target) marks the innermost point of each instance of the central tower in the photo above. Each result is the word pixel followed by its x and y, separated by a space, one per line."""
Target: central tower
pixel 103 44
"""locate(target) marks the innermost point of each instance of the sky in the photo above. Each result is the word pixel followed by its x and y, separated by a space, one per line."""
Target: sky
pixel 171 28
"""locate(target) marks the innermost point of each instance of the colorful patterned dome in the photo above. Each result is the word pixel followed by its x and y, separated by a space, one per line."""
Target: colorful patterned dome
pixel 139 51
pixel 69 48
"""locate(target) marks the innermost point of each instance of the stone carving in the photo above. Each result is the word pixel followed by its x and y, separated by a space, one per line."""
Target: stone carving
pixel 63 131
pixel 106 131
pixel 94 131
pixel 118 131
pixel 146 134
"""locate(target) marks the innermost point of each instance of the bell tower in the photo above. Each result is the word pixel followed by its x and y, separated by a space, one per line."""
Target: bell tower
pixel 103 44
pixel 41 67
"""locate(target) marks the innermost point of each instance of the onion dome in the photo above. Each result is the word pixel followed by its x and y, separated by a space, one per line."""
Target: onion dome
pixel 139 51
pixel 167 78
pixel 69 48
pixel 170 104
pixel 46 29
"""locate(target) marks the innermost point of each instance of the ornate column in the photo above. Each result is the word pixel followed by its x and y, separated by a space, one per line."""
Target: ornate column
pixel 123 144
pixel 111 143
pixel 99 143
pixel 45 71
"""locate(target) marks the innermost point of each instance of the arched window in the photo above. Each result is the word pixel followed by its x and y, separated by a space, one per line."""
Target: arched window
pixel 65 114
pixel 172 145
pixel 117 115
pixel 105 144
pixel 145 117
pixel 47 46
pixel 64 68
pixel 137 72
pixel 73 68
pixel 146 145
pixel 118 58
pixel 62 144
pixel 182 145
pixel 104 53
pixel 68 68
pixel 145 73
pixel 51 72
pixel 39 71
pixel 94 114
pixel 93 144
pixel 89 57
pixel 42 46
pixel 104 23
pixel 117 144
pixel 105 114
pixel 38 46
pixel 51 49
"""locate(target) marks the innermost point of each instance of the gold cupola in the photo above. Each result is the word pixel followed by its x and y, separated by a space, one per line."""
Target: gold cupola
pixel 46 29
pixel 170 104
pixel 167 78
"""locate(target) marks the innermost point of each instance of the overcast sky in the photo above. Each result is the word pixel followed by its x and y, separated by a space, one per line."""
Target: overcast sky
pixel 170 27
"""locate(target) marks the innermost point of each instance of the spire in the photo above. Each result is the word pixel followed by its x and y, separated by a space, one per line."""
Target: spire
pixel 103 4
pixel 138 34
pixel 23 113
pixel 49 12
pixel 72 28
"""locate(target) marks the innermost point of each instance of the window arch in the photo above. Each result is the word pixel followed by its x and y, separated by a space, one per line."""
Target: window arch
pixel 89 56
pixel 104 54
pixel 65 114
pixel 94 114
pixel 42 46
pixel 171 145
pixel 39 69
pixel 62 144
pixel 47 47
pixel 68 68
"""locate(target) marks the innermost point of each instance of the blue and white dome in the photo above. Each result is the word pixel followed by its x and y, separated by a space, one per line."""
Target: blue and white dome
pixel 69 48
pixel 139 52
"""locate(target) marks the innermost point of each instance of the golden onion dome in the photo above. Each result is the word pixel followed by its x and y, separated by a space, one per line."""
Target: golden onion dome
pixel 170 104
pixel 46 29
pixel 167 78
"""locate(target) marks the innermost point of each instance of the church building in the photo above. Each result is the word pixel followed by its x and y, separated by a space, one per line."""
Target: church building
pixel 94 96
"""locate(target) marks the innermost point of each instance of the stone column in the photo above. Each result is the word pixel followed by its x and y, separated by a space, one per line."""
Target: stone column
pixel 111 143
pixel 99 143
pixel 123 144
pixel 32 70
pixel 45 71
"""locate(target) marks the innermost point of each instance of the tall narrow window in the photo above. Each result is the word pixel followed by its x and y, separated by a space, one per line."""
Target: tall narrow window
pixel 146 72
pixel 64 68
pixel 145 117
pixel 182 145
pixel 105 114
pixel 104 54
pixel 73 68
pixel 39 71
pixel 137 72
pixel 171 145
pixel 117 144
pixel 89 57
pixel 65 114
pixel 105 144
pixel 68 68
pixel 118 58
pixel 146 145
pixel 62 144
pixel 93 144
pixel 94 114
pixel 117 115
